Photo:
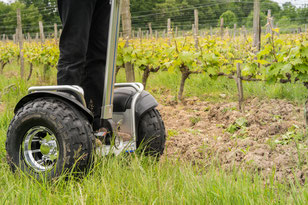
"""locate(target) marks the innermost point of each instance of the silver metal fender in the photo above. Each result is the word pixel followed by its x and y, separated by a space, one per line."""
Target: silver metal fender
pixel 123 101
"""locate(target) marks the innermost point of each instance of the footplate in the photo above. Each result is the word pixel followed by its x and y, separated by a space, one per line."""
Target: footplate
pixel 125 140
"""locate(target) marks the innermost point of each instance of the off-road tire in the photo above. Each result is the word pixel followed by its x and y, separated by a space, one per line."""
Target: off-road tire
pixel 151 133
pixel 72 130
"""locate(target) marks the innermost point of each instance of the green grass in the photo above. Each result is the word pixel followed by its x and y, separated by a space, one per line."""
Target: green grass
pixel 143 180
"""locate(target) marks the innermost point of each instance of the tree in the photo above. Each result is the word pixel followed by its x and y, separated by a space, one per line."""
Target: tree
pixel 4 10
pixel 47 9
pixel 270 5
pixel 229 18
pixel 30 17
pixel 303 14
pixel 289 11
pixel 284 21
pixel 249 21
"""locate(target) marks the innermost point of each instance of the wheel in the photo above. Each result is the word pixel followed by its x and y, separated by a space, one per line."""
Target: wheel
pixel 48 137
pixel 151 133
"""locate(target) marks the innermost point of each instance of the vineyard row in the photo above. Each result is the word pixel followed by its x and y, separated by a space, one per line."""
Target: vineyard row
pixel 280 59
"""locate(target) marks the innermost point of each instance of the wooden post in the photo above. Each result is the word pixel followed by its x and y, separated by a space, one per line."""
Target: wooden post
pixel 169 31
pixel 126 19
pixel 176 31
pixel 127 33
pixel 196 21
pixel 239 87
pixel 147 35
pixel 150 29
pixel 221 28
pixel 193 29
pixel 256 26
pixel 211 31
pixel 129 69
pixel 133 34
pixel 55 26
pixel 299 30
pixel 20 42
pixel 234 31
pixel 227 32
pixel 140 35
pixel 156 34
pixel 42 36
pixel 195 36
pixel 244 32
pixel 3 37
pixel 269 24
pixel 29 37
pixel 164 33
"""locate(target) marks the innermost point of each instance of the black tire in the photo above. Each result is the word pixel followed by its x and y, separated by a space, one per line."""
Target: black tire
pixel 151 133
pixel 72 136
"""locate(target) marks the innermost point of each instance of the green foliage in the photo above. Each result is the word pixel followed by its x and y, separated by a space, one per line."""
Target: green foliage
pixel 8 52
pixel 194 120
pixel 286 60
pixel 229 19
pixel 240 123
pixel 293 134
pixel 263 19
pixel 30 17
pixel 284 21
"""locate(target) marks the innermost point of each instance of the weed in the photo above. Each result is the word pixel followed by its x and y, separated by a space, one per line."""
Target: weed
pixel 271 142
pixel 172 133
pixel 206 109
pixel 193 131
pixel 225 110
pixel 237 125
pixel 245 150
pixel 293 134
pixel 194 120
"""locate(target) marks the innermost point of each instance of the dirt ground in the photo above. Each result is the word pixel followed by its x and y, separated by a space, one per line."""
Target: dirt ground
pixel 268 136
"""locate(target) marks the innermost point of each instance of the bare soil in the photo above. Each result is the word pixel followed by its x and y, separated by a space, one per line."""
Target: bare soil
pixel 271 139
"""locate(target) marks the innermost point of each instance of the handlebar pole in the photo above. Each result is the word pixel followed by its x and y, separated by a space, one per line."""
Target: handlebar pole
pixel 107 106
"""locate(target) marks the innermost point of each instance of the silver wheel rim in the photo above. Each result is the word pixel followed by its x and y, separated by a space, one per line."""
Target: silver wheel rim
pixel 40 149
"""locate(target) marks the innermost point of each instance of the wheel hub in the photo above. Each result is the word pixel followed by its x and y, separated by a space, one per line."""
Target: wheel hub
pixel 40 149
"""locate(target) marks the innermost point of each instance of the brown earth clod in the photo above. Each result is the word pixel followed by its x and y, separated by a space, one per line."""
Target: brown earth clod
pixel 256 144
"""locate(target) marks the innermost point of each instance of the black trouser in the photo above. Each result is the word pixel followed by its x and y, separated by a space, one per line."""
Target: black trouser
pixel 83 47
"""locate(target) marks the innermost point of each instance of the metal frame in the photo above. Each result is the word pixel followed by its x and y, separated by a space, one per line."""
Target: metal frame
pixel 129 118
pixel 139 88
pixel 78 91
pixel 114 23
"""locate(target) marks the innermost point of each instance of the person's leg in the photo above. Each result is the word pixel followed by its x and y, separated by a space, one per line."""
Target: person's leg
pixel 93 83
pixel 76 17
